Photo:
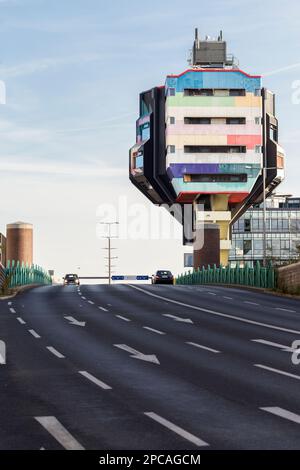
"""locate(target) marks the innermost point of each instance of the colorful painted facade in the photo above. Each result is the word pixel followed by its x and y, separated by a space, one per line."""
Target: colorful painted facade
pixel 206 138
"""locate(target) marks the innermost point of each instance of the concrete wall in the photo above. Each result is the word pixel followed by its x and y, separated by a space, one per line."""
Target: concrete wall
pixel 289 278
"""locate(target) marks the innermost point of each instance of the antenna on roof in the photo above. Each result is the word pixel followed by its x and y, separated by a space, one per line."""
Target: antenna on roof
pixel 220 38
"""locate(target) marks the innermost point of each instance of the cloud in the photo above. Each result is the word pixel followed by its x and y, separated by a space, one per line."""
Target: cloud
pixel 40 65
pixel 6 165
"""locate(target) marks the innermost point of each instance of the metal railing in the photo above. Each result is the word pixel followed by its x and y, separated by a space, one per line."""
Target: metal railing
pixel 19 274
pixel 258 276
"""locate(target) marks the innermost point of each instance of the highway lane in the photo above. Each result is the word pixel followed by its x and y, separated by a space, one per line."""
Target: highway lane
pixel 206 388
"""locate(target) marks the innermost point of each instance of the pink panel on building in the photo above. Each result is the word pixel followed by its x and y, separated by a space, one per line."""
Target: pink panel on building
pixel 250 141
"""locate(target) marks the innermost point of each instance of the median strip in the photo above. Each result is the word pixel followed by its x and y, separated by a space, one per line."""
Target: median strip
pixel 34 334
pixel 282 413
pixel 95 380
pixel 196 345
pixel 55 352
pixel 59 432
pixel 277 371
pixel 177 430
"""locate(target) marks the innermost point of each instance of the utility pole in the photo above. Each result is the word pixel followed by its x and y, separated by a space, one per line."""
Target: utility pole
pixel 109 248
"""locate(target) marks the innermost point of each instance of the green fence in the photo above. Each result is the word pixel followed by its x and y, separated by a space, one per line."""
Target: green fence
pixel 258 276
pixel 22 275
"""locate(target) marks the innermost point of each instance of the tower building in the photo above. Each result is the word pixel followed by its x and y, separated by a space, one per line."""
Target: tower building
pixel 206 139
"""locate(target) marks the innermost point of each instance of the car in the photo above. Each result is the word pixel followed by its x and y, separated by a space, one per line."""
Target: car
pixel 71 279
pixel 163 277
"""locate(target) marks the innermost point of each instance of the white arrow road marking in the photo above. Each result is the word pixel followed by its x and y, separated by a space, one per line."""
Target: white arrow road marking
pixel 153 330
pixel 138 355
pixel 277 371
pixel 103 309
pixel 219 314
pixel 75 322
pixel 181 432
pixel 95 380
pixel 180 319
pixel 196 345
pixel 275 345
pixel 34 334
pixel 283 413
pixel 59 432
pixel 2 353
pixel 12 310
pixel 20 320
pixel 55 352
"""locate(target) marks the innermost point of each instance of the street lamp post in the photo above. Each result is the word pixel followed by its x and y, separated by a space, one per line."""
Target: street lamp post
pixel 109 248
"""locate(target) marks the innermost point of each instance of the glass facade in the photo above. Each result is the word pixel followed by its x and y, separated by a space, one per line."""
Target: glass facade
pixel 282 228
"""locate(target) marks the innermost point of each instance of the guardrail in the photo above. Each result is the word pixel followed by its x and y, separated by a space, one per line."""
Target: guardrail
pixel 19 274
pixel 258 276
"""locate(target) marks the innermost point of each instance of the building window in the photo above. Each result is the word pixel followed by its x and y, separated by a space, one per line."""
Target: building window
pixel 171 149
pixel 198 92
pixel 247 247
pixel 188 260
pixel 235 120
pixel 237 92
pixel 215 178
pixel 258 148
pixel 197 120
pixel 214 149
pixel 247 225
pixel 258 120
pixel 172 120
pixel 172 91
pixel 257 92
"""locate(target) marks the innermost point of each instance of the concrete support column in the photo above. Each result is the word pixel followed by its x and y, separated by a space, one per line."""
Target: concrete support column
pixel 209 254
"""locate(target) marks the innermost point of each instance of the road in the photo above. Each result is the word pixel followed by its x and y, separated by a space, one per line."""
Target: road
pixel 149 367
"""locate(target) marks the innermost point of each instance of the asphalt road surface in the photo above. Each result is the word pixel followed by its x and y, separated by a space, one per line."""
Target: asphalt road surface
pixel 149 367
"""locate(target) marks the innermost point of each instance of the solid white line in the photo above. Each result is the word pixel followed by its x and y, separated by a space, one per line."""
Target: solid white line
pixel 181 432
pixel 219 314
pixel 275 345
pixel 12 310
pixel 283 413
pixel 34 334
pixel 92 303
pixel 55 352
pixel 153 330
pixel 123 318
pixel 203 347
pixel 21 321
pixel 95 380
pixel 59 432
pixel 281 372
pixel 250 303
pixel 285 310
pixel 104 309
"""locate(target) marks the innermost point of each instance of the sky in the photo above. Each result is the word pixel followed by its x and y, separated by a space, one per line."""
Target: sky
pixel 73 71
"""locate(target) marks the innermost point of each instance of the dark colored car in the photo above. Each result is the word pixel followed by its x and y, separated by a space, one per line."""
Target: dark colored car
pixel 163 277
pixel 71 279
